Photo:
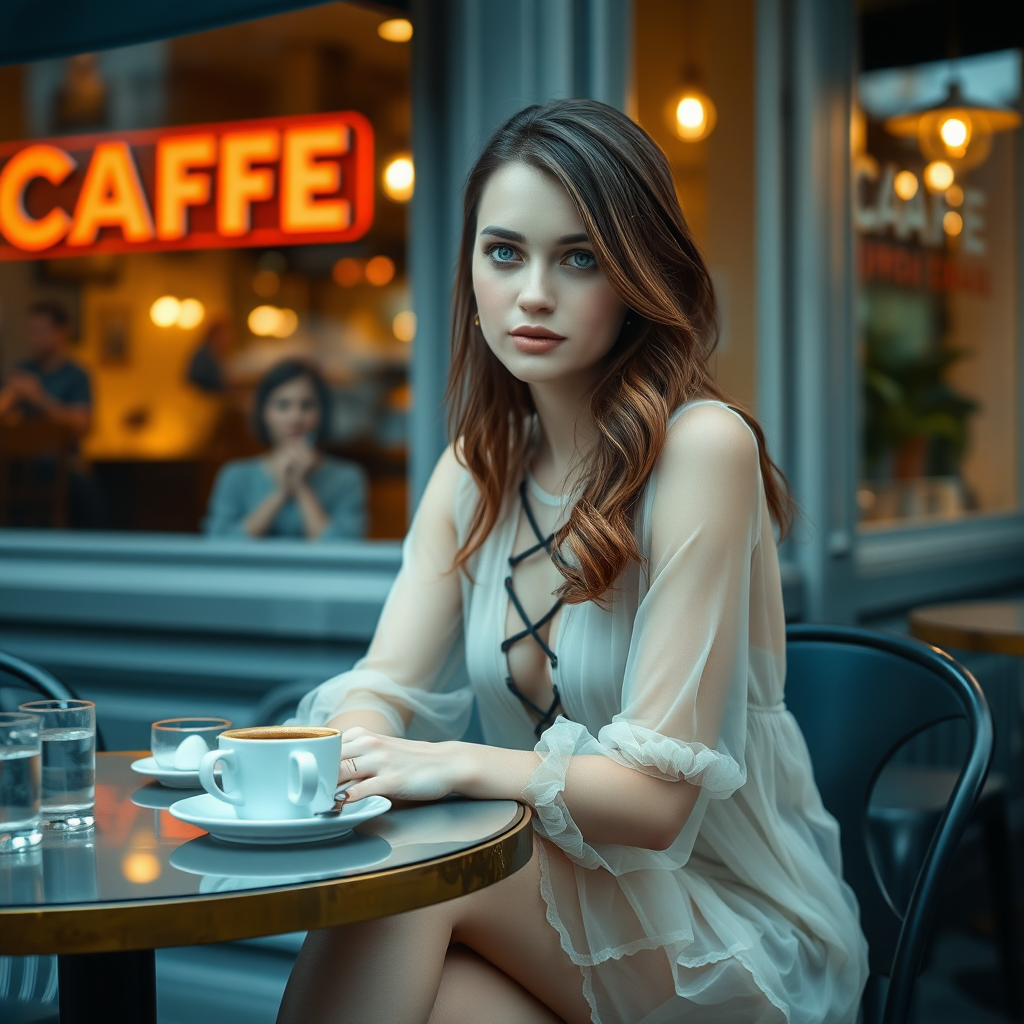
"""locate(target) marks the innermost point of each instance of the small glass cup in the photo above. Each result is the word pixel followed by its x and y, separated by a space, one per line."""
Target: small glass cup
pixel 179 744
pixel 68 736
pixel 20 775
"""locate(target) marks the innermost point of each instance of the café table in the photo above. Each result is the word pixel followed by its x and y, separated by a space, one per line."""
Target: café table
pixel 142 880
pixel 993 626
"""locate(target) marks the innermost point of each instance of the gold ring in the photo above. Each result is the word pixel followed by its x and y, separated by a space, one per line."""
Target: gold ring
pixel 351 763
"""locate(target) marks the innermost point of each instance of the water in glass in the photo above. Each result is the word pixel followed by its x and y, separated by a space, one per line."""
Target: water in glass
pixel 19 788
pixel 69 770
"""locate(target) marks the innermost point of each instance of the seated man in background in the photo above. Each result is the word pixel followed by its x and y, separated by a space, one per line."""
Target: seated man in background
pixel 294 489
pixel 49 384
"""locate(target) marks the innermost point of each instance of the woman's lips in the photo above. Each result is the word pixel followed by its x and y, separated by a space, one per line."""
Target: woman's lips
pixel 535 339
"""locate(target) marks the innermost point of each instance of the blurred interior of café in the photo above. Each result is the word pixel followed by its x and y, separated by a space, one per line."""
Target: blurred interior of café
pixel 174 342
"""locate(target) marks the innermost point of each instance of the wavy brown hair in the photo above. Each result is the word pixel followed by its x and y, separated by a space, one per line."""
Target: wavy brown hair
pixel 621 183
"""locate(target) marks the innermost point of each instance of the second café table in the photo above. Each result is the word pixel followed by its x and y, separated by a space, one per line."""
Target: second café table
pixel 993 626
pixel 143 880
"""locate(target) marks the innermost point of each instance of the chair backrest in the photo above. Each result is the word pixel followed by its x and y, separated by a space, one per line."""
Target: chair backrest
pixel 859 696
pixel 43 682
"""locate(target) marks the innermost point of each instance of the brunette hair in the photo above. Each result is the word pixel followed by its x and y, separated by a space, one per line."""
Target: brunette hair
pixel 621 183
pixel 283 373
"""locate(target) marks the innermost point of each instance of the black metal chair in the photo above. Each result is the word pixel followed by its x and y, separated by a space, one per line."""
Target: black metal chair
pixel 43 682
pixel 859 696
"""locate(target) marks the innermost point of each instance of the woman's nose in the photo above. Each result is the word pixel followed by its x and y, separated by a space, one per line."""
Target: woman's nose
pixel 537 294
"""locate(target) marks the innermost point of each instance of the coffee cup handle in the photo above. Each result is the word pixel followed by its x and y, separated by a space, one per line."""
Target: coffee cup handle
pixel 206 779
pixel 303 777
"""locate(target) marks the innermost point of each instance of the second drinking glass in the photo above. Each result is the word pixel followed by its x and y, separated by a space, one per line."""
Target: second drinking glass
pixel 68 736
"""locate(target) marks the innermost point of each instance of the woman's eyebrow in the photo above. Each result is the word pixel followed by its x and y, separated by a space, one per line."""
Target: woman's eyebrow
pixel 510 236
pixel 515 236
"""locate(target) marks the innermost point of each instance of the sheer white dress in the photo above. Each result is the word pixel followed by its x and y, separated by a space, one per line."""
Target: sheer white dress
pixel 745 917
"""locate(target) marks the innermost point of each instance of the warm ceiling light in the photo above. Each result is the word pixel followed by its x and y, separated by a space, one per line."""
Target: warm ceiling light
pixel 347 272
pixel 956 131
pixel 938 176
pixel 694 117
pixel 954 195
pixel 395 30
pixel 262 320
pixel 404 325
pixel 380 270
pixel 191 314
pixel 165 311
pixel 287 322
pixel 400 179
pixel 952 223
pixel 905 185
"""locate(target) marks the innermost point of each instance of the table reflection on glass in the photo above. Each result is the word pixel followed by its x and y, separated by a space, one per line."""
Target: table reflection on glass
pixel 142 880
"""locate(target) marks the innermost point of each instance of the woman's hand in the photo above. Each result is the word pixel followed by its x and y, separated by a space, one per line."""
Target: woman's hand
pixel 400 768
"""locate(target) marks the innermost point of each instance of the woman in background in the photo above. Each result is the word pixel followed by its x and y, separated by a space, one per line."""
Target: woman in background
pixel 294 489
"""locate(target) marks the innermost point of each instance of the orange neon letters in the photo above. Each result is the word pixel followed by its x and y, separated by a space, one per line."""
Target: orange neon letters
pixel 239 184
pixel 111 196
pixel 30 233
pixel 304 178
pixel 177 188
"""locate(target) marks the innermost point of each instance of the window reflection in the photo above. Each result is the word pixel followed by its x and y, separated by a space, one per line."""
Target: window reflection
pixel 174 344
pixel 937 314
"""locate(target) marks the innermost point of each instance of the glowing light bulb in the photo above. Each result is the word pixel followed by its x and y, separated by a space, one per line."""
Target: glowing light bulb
pixel 165 311
pixel 938 176
pixel 191 314
pixel 954 132
pixel 400 179
pixel 287 322
pixel 954 195
pixel 905 185
pixel 693 116
pixel 395 30
pixel 262 320
pixel 347 272
pixel 952 223
pixel 404 325
pixel 140 868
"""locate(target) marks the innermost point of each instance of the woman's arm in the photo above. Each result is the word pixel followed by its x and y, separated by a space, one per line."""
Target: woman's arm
pixel 419 623
pixel 314 519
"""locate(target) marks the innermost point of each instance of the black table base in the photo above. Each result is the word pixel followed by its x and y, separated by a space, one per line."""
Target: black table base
pixel 116 988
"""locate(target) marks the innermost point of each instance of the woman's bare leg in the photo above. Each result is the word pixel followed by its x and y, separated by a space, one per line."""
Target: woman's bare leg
pixel 390 971
pixel 472 990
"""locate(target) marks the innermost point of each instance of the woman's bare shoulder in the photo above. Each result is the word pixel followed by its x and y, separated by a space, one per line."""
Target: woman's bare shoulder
pixel 707 436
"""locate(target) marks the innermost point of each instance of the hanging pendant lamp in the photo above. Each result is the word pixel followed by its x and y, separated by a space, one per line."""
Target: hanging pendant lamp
pixel 956 131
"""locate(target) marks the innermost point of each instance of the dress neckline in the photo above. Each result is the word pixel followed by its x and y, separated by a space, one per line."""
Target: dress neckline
pixel 546 497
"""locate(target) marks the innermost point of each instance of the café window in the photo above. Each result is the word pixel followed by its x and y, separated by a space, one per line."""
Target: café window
pixel 937 191
pixel 694 95
pixel 200 210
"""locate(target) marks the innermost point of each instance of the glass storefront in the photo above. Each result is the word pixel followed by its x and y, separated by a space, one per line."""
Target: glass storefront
pixel 174 343
pixel 937 269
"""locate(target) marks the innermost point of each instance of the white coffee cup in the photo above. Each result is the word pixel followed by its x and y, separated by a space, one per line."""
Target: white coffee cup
pixel 275 772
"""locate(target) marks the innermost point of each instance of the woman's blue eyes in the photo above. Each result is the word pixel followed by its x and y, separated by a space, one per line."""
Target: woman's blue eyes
pixel 579 259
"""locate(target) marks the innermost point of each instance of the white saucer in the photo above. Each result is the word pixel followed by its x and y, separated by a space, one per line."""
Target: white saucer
pixel 220 820
pixel 167 776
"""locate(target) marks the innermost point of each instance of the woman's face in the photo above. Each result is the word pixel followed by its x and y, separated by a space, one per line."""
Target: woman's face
pixel 292 412
pixel 546 309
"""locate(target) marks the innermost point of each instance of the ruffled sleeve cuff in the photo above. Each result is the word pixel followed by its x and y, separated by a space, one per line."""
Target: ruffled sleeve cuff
pixel 563 740
pixel 432 716
pixel 718 774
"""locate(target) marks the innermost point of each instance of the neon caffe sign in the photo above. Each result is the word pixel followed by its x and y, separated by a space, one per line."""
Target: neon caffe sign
pixel 268 182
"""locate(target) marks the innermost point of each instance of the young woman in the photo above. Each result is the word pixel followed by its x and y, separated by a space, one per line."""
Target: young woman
pixel 294 489
pixel 601 534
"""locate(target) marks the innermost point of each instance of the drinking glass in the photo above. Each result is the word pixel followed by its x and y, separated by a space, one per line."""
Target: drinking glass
pixel 179 744
pixel 68 736
pixel 20 771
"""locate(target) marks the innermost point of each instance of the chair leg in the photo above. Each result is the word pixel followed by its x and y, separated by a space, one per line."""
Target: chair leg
pixel 1004 904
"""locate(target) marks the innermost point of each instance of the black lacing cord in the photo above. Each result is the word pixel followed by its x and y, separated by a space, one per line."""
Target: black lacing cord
pixel 543 544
